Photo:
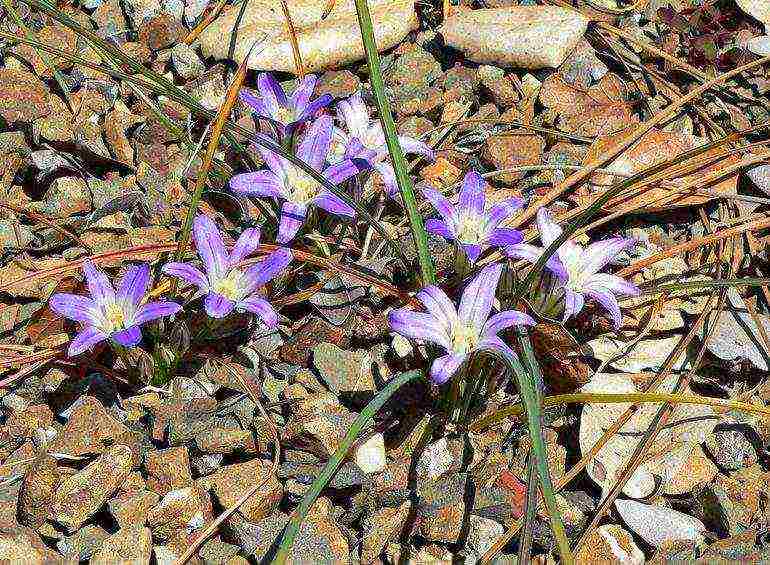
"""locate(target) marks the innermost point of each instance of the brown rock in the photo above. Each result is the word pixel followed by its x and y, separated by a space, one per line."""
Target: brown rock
pixel 81 495
pixel 90 429
pixel 185 510
pixel 381 527
pixel 22 545
pixel 225 440
pixel 24 422
pixel 36 492
pixel 56 36
pixel 23 96
pixel 132 508
pixel 610 544
pixel 229 483
pixel 340 84
pixel 168 469
pixel 161 31
pixel 127 545
pixel 318 424
pixel 515 149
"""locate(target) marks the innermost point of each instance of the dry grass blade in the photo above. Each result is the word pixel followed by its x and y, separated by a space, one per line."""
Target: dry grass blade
pixel 210 17
pixel 293 39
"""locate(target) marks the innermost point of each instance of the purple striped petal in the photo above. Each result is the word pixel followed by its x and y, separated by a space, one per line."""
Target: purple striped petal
pixel 248 243
pixel 532 253
pixel 272 93
pixel 605 282
pixel 505 320
pixel 187 273
pixel 261 183
pixel 154 310
pixel 217 306
pixel 300 98
pixel 471 198
pixel 208 242
pixel 265 270
pixel 573 303
pixel 75 307
pixel 333 204
pixel 254 101
pixel 549 230
pixel 315 144
pixel 388 174
pixel 312 108
pixel 262 309
pixel 273 160
pixel 438 305
pixel 416 147
pixel 503 210
pixel 292 217
pixel 501 237
pixel 472 251
pixel 494 343
pixel 85 340
pixel 445 367
pixel 129 337
pixel 610 303
pixel 437 227
pixel 98 284
pixel 441 204
pixel 598 254
pixel 342 171
pixel 478 296
pixel 353 111
pixel 419 325
pixel 134 285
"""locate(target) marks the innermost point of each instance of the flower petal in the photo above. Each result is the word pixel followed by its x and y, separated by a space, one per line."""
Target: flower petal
pixel 312 108
pixel 441 204
pixel 333 204
pixel 494 343
pixel 439 228
pixel 133 286
pixel 472 198
pixel 292 217
pixel 610 303
pixel 388 174
pixel 506 319
pixel 502 211
pixel 254 101
pixel 598 254
pixel 573 303
pixel 479 295
pixel 415 147
pixel 438 305
pixel 501 237
pixel 261 183
pixel 188 273
pixel 532 253
pixel 345 169
pixel 419 325
pixel 472 251
pixel 85 340
pixel 262 308
pixel 74 307
pixel 273 95
pixel 315 144
pixel 445 367
pixel 604 282
pixel 208 242
pixel 353 111
pixel 217 306
pixel 549 230
pixel 154 310
pixel 98 284
pixel 265 270
pixel 248 243
pixel 129 337
pixel 300 98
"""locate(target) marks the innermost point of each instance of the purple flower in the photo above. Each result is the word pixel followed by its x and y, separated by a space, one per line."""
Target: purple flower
pixel 365 140
pixel 470 224
pixel 299 190
pixel 459 331
pixel 289 112
pixel 108 314
pixel 578 268
pixel 226 286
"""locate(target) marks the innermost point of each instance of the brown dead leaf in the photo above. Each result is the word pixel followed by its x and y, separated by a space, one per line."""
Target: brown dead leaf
pixel 602 109
pixel 45 322
pixel 558 353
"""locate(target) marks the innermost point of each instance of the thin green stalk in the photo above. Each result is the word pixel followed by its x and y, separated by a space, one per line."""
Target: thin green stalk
pixel 363 419
pixel 530 394
pixel 530 511
pixel 394 148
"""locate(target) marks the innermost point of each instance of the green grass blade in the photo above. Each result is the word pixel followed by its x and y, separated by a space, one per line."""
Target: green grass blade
pixel 530 511
pixel 366 415
pixel 396 154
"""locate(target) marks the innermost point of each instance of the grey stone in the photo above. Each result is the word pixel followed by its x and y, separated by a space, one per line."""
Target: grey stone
pixel 730 447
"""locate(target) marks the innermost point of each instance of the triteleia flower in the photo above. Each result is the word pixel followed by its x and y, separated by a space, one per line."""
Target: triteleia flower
pixel 286 111
pixel 581 266
pixel 108 314
pixel 365 140
pixel 226 286
pixel 298 189
pixel 459 331
pixel 469 223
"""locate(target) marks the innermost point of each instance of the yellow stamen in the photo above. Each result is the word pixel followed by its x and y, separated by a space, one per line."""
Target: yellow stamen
pixel 115 315
pixel 464 337
pixel 471 229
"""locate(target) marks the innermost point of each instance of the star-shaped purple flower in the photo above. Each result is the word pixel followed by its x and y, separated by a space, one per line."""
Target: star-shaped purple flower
pixel 469 223
pixel 459 331
pixel 226 286
pixel 286 111
pixel 299 190
pixel 365 140
pixel 578 268
pixel 108 314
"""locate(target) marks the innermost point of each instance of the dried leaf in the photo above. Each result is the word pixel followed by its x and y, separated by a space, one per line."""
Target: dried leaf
pixel 530 37
pixel 323 43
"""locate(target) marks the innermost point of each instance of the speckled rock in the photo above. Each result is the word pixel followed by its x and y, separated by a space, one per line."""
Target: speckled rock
pixel 132 508
pixel 225 440
pixel 441 507
pixel 168 469
pixel 128 545
pixel 90 429
pixel 229 483
pixel 517 148
pixel 610 544
pixel 730 447
pixel 22 545
pixel 81 495
pixel 37 490
pixel 82 544
pixel 184 510
pixel 379 528
pixel 23 96
pixel 318 424
pixel 340 84
pixel 344 371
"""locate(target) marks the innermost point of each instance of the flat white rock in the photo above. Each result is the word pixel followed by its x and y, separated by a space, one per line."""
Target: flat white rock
pixel 659 524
